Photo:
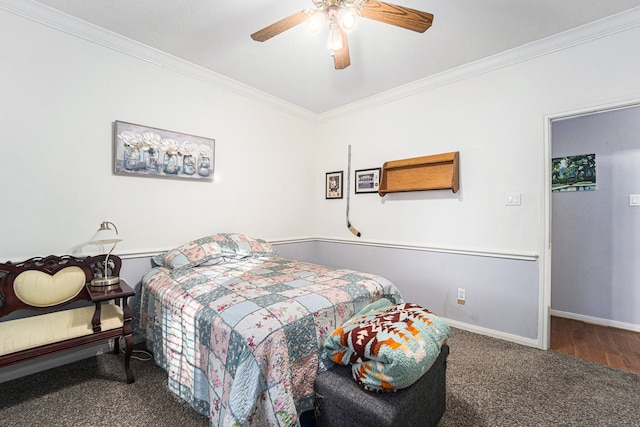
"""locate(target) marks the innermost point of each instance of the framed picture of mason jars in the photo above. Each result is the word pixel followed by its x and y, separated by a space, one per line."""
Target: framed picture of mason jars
pixel 150 152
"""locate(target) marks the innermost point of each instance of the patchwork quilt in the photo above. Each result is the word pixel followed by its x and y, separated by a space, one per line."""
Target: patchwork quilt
pixel 242 338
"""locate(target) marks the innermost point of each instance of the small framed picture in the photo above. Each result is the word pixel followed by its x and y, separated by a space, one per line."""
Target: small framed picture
pixel 334 185
pixel 367 180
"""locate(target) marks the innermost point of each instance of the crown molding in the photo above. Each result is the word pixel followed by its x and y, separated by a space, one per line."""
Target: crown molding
pixel 60 21
pixel 580 35
pixel 52 18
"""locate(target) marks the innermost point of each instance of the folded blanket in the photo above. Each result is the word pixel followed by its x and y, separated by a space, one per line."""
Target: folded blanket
pixel 389 346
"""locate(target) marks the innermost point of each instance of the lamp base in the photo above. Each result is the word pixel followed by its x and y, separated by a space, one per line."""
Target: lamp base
pixel 105 282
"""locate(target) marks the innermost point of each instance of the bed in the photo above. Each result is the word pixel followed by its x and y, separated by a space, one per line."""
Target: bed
pixel 241 331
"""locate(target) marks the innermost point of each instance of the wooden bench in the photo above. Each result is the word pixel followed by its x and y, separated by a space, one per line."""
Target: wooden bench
pixel 49 292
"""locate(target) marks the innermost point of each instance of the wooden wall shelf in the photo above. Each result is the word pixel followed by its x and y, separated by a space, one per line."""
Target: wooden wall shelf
pixel 437 172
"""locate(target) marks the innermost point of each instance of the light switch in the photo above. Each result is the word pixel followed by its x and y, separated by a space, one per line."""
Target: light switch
pixel 634 200
pixel 513 199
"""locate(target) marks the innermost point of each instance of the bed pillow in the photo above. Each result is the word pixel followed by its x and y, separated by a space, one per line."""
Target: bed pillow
pixel 213 249
pixel 191 254
pixel 241 246
pixel 389 346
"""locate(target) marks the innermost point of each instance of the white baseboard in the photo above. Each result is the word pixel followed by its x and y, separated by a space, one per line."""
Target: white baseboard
pixel 54 360
pixel 530 342
pixel 596 320
pixel 29 367
pixel 37 365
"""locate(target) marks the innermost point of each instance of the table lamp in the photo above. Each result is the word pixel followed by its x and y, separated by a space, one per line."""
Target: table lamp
pixel 104 236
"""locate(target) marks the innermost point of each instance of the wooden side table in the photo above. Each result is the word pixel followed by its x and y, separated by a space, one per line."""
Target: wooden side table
pixel 119 293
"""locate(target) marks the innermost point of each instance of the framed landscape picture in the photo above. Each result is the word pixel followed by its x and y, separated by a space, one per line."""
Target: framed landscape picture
pixel 573 173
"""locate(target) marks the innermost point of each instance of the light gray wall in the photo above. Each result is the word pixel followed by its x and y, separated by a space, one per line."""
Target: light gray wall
pixel 596 234
pixel 498 290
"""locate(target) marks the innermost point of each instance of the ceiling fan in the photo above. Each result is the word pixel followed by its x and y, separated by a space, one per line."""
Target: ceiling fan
pixel 341 16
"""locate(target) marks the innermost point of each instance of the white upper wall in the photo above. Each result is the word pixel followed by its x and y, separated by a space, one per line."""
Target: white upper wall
pixel 60 97
pixel 496 120
pixel 61 94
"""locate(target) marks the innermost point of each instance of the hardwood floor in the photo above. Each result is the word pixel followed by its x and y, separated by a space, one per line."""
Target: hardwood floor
pixel 614 347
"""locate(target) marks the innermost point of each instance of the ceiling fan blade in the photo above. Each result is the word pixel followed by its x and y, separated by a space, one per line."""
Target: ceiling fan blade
pixel 280 26
pixel 341 58
pixel 399 16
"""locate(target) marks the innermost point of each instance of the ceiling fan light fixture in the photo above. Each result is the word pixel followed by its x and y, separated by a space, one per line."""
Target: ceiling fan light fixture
pixel 334 42
pixel 316 21
pixel 342 16
pixel 348 18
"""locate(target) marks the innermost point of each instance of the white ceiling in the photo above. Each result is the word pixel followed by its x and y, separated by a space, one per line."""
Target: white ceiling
pixel 296 67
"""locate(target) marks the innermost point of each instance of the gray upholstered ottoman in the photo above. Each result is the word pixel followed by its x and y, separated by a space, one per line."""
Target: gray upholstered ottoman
pixel 341 402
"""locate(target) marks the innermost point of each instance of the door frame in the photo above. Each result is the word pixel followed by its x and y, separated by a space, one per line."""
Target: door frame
pixel 544 305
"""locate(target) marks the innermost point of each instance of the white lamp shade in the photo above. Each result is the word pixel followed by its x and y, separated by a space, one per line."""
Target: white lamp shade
pixel 105 235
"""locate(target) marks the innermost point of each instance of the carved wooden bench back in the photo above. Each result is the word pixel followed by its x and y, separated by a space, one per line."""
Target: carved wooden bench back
pixel 92 267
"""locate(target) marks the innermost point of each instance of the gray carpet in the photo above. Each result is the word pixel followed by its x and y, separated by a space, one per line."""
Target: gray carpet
pixel 489 383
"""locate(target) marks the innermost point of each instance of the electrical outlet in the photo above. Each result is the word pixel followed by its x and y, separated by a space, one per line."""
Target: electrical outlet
pixel 461 296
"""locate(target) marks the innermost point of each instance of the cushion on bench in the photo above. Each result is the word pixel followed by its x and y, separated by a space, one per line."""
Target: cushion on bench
pixel 40 289
pixel 30 332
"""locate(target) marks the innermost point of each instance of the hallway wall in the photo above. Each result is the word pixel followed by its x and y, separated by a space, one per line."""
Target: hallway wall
pixel 596 234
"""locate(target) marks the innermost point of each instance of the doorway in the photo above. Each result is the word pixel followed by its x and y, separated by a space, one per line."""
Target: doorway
pixel 594 233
